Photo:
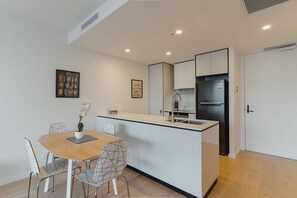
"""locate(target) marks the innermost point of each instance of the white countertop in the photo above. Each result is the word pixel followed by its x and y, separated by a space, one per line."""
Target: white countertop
pixel 160 120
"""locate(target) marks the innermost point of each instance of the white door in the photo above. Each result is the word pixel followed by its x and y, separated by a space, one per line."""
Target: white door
pixel 271 93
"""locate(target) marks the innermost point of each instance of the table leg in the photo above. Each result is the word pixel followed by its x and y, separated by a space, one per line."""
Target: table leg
pixel 115 188
pixel 69 179
pixel 46 185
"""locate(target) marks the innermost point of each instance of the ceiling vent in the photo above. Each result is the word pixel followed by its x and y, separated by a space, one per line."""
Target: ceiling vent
pixel 90 20
pixel 257 5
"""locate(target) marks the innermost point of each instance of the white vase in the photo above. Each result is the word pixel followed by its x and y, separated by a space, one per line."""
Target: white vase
pixel 78 135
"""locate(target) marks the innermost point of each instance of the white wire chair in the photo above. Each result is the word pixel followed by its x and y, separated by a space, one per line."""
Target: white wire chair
pixel 110 165
pixel 56 127
pixel 109 129
pixel 49 170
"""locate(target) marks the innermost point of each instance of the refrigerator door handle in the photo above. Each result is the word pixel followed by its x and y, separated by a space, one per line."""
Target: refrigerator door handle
pixel 211 103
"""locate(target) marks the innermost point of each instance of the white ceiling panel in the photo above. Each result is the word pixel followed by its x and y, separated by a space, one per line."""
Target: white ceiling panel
pixel 62 15
pixel 145 26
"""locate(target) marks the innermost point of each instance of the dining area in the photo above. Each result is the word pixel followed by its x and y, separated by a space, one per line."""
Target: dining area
pixel 66 159
pixel 96 159
pixel 91 157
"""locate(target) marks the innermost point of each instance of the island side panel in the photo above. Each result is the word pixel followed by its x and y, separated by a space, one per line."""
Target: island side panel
pixel 170 154
pixel 210 157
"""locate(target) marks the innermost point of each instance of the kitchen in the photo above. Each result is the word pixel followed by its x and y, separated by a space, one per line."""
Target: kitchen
pixel 41 50
pixel 169 86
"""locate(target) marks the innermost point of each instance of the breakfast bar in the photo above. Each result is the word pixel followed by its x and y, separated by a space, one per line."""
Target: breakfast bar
pixel 183 155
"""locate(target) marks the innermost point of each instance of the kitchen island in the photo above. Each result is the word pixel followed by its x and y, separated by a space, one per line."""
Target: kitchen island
pixel 182 156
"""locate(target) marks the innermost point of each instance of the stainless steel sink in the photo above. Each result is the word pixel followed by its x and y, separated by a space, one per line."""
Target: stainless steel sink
pixel 188 121
pixel 198 122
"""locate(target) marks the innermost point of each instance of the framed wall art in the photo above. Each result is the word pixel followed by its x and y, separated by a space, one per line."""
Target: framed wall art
pixel 136 88
pixel 67 84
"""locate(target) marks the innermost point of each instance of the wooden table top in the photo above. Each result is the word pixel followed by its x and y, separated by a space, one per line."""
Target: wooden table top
pixel 61 147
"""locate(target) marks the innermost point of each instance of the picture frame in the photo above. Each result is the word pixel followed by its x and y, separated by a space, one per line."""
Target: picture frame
pixel 67 84
pixel 136 88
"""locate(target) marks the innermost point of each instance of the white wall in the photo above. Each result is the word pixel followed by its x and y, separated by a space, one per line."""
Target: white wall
pixel 237 94
pixel 30 54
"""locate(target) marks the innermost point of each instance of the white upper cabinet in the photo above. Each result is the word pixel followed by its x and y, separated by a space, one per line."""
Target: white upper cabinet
pixel 219 62
pixel 184 75
pixel 212 63
pixel 203 64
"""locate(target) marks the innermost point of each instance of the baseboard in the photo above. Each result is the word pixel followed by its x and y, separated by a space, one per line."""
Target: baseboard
pixel 186 194
pixel 210 189
pixel 4 181
pixel 234 155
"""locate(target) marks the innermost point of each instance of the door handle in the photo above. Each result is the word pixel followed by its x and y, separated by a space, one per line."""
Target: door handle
pixel 248 109
pixel 211 103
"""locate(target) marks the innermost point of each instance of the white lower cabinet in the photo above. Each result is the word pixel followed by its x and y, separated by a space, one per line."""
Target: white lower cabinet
pixel 185 159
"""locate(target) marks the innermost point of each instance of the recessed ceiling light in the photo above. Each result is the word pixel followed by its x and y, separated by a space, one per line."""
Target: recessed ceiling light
pixel 127 50
pixel 168 53
pixel 266 27
pixel 178 31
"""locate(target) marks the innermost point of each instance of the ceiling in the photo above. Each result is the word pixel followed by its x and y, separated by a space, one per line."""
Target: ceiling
pixel 62 15
pixel 145 26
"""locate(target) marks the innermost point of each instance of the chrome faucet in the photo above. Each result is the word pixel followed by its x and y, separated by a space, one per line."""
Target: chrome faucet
pixel 172 112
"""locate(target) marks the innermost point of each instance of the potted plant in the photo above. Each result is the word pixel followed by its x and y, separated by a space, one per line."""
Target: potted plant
pixel 85 108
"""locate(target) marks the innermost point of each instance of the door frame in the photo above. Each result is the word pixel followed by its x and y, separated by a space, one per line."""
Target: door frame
pixel 243 104
pixel 243 98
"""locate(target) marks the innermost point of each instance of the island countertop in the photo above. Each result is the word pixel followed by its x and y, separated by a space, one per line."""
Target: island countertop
pixel 160 120
pixel 159 148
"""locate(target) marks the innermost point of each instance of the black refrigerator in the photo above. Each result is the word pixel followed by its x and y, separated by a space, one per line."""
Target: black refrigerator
pixel 212 104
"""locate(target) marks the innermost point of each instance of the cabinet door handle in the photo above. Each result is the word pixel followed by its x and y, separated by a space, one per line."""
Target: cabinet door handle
pixel 161 111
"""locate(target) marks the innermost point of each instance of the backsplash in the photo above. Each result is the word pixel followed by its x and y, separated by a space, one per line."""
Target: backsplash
pixel 187 99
